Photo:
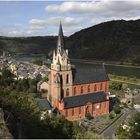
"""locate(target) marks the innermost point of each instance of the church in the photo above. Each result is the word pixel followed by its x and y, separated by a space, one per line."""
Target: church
pixel 74 92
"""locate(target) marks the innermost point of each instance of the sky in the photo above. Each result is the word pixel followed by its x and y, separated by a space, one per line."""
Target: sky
pixel 42 18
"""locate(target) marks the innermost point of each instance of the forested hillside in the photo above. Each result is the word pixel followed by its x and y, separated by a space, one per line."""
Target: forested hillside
pixel 114 41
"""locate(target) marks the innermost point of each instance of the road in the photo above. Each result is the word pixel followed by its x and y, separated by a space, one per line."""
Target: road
pixel 112 63
pixel 125 82
pixel 109 132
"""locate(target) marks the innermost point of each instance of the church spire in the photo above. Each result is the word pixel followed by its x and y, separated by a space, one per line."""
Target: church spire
pixel 60 42
pixel 60 56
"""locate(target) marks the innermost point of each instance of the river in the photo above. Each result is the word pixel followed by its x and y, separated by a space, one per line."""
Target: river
pixel 111 69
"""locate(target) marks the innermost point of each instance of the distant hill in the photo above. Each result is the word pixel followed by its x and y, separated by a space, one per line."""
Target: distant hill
pixel 114 40
pixel 28 45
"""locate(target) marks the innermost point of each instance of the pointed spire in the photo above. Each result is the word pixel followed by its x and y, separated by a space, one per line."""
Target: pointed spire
pixel 60 42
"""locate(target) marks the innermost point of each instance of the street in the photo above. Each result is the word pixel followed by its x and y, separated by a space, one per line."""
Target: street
pixel 109 132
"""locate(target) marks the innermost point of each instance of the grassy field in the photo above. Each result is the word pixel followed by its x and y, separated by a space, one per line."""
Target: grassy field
pixel 125 79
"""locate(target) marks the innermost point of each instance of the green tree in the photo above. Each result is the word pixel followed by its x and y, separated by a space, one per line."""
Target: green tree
pixel 112 115
pixel 37 62
pixel 132 131
pixel 124 86
pixel 117 109
pixel 116 85
pixel 122 133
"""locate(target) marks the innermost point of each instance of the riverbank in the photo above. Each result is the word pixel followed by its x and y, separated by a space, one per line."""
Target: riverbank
pixel 111 63
pixel 113 68
pixel 125 79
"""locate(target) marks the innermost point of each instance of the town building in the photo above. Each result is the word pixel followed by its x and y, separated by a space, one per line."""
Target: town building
pixel 44 106
pixel 75 92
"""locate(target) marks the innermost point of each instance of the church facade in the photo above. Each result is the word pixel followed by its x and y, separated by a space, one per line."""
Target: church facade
pixel 75 92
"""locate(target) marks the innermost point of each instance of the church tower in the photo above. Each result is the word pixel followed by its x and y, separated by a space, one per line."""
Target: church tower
pixel 61 73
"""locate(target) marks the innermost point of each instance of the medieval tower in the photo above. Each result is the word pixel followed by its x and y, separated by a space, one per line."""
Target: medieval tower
pixel 61 72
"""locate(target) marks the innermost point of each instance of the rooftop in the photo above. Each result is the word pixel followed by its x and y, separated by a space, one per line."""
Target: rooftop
pixel 94 73
pixel 43 103
pixel 80 100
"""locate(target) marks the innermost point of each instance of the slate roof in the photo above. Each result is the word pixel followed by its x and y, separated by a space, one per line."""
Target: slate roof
pixel 74 101
pixel 90 74
pixel 44 104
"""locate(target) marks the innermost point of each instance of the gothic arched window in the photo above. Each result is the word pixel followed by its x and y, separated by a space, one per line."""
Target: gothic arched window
pixel 73 112
pixel 74 91
pixel 88 88
pixel 93 107
pixel 79 110
pixel 106 87
pixel 81 89
pixel 101 86
pixel 95 88
pixel 67 92
pixel 67 79
pixel 62 93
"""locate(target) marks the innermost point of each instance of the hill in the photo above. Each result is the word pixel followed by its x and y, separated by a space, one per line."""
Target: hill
pixel 28 45
pixel 113 40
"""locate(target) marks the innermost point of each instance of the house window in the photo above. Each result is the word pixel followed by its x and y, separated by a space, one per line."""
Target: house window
pixel 88 88
pixel 79 110
pixel 67 92
pixel 66 113
pixel 67 79
pixel 73 112
pixel 74 90
pixel 81 89
pixel 95 88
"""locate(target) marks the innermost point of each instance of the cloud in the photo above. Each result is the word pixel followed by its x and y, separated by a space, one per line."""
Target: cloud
pixel 74 15
pixel 66 21
pixel 70 24
pixel 104 8
pixel 19 30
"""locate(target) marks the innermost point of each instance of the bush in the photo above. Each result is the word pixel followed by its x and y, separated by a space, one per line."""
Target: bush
pixel 124 86
pixel 37 62
pixel 117 109
pixel 112 115
pixel 116 85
